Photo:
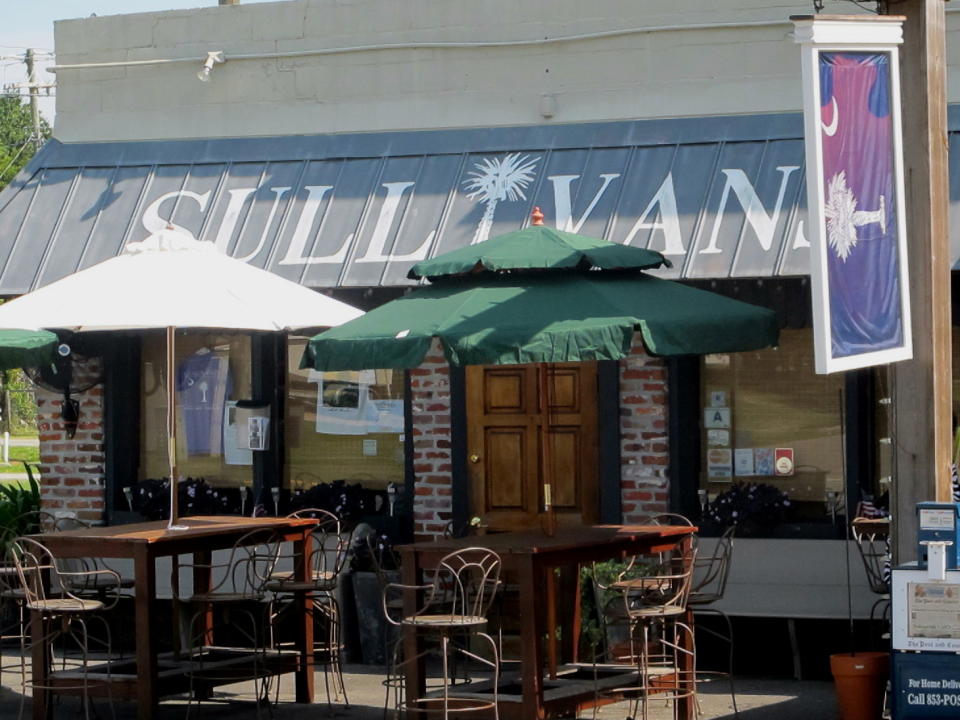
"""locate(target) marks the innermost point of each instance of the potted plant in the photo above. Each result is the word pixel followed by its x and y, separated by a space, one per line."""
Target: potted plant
pixel 351 502
pixel 374 565
pixel 754 508
pixel 151 498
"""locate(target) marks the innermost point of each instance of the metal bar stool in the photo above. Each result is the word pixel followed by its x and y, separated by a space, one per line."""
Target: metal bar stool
pixel 709 585
pixel 661 645
pixel 327 556
pixel 12 596
pixel 873 542
pixel 66 616
pixel 457 603
pixel 241 585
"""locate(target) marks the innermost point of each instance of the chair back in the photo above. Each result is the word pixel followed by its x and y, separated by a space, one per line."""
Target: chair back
pixel 66 524
pixel 256 555
pixel 246 569
pixel 664 592
pixel 667 518
pixel 32 562
pixel 873 542
pixel 466 582
pixel 330 545
pixel 710 573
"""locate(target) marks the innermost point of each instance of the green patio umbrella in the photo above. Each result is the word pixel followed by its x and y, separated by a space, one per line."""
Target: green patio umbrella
pixel 27 348
pixel 549 317
pixel 539 295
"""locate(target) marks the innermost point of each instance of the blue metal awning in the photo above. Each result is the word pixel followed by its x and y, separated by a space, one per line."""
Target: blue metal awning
pixel 722 197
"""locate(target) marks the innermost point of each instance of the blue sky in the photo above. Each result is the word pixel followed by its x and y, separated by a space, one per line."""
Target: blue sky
pixel 30 24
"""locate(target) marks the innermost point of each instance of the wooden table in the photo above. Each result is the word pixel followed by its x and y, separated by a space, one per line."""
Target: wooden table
pixel 533 556
pixel 144 543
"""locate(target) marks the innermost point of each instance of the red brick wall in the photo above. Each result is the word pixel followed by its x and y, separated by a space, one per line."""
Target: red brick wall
pixel 72 468
pixel 430 398
pixel 644 442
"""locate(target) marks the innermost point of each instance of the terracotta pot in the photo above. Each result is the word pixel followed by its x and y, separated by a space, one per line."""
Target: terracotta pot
pixel 860 679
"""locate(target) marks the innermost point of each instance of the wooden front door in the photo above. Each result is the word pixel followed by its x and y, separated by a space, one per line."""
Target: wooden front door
pixel 504 432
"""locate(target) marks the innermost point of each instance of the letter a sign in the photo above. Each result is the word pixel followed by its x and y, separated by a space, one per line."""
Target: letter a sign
pixel 855 198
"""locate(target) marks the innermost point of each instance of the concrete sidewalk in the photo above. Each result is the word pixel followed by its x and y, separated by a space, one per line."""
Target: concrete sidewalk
pixel 758 699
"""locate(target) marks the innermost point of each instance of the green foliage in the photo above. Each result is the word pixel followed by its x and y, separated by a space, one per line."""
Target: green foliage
pixel 598 602
pixel 23 403
pixel 19 505
pixel 16 131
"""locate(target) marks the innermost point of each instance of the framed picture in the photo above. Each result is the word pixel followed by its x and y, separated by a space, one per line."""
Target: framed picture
pixel 716 418
pixel 720 464
pixel 855 191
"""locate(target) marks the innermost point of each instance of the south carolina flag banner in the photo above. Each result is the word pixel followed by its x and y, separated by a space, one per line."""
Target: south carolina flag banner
pixel 857 233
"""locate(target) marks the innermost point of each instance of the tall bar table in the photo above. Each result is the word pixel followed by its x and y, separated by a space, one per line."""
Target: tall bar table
pixel 143 543
pixel 533 556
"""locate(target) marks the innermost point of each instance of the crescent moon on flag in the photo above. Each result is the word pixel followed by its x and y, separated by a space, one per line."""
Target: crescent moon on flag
pixel 831 129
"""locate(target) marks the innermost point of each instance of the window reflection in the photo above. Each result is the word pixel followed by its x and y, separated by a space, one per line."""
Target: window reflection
pixel 769 419
pixel 342 426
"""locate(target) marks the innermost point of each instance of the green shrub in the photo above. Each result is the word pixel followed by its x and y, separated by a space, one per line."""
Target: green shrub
pixel 19 506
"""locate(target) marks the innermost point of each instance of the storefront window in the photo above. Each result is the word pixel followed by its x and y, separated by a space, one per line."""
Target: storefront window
pixel 344 429
pixel 771 439
pixel 212 373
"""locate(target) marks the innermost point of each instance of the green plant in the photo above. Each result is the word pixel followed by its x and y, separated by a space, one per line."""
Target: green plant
pixel 598 598
pixel 19 505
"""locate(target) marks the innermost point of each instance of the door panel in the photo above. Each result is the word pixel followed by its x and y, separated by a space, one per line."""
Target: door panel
pixel 567 467
pixel 504 434
pixel 504 392
pixel 505 451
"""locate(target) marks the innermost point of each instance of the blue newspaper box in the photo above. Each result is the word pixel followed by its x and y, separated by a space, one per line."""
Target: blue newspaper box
pixel 925 685
pixel 938 522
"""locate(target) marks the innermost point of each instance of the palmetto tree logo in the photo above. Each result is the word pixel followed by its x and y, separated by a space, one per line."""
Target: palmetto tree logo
pixel 843 218
pixel 495 180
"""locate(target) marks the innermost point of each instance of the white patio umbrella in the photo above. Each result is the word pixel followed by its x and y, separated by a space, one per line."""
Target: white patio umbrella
pixel 172 281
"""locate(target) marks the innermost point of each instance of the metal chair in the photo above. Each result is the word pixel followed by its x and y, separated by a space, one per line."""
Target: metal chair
pixel 325 560
pixel 661 645
pixel 11 592
pixel 66 615
pixel 873 542
pixel 457 603
pixel 709 585
pixel 241 584
pixel 95 584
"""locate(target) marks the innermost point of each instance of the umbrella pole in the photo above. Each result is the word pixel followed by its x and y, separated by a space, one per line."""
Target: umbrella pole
pixel 546 457
pixel 172 425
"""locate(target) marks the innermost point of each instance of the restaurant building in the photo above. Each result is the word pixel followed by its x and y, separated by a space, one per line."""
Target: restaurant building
pixel 340 142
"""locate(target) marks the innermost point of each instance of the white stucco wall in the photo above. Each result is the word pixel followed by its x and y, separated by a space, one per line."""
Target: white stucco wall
pixel 693 58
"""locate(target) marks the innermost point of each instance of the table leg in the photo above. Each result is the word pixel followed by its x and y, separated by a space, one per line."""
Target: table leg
pixel 687 705
pixel 40 665
pixel 570 613
pixel 145 575
pixel 202 583
pixel 304 677
pixel 551 621
pixel 531 623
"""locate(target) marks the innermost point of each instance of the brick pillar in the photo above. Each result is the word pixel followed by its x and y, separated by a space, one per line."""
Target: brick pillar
pixel 72 468
pixel 643 435
pixel 433 471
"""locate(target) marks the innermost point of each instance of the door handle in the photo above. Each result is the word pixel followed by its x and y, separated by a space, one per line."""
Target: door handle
pixel 474 458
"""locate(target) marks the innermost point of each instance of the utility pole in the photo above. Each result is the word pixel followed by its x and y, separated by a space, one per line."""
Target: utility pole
pixel 33 89
pixel 34 104
pixel 922 387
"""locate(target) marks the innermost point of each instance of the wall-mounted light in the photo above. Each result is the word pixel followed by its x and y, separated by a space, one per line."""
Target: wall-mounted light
pixel 213 57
